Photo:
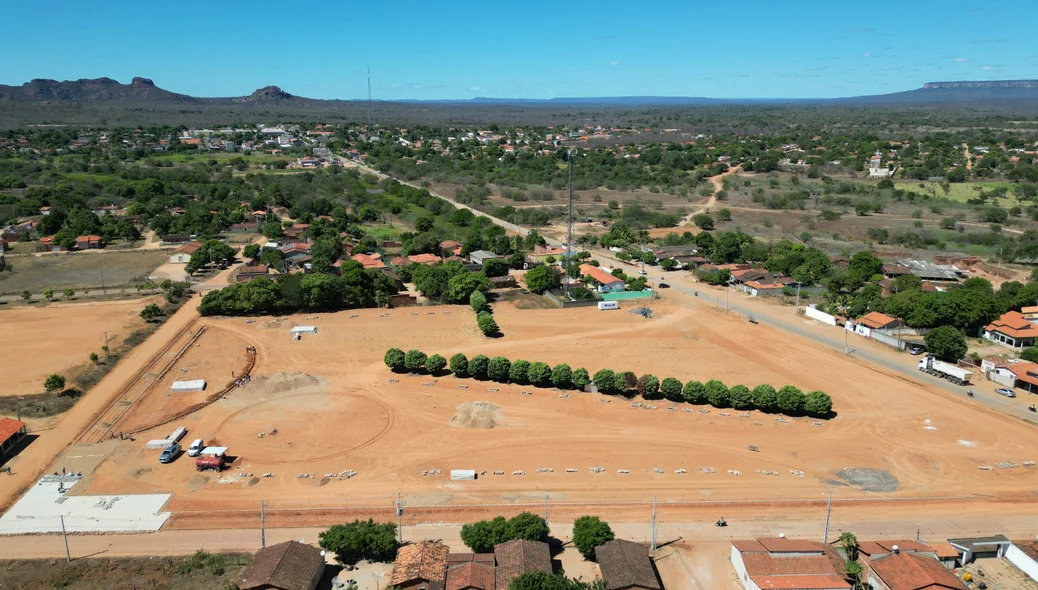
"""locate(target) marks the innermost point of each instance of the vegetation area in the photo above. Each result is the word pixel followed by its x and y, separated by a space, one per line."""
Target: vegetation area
pixel 200 571
pixel 357 540
pixel 483 535
pixel 787 400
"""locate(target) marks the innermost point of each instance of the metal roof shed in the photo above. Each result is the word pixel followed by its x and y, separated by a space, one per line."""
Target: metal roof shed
pixel 193 385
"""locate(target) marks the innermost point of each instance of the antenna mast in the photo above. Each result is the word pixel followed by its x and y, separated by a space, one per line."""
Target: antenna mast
pixel 369 99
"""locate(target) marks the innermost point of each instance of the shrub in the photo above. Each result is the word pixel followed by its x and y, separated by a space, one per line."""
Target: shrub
pixel 518 373
pixel 671 389
pixel 460 365
pixel 818 404
pixel 486 323
pixel 741 397
pixel 539 374
pixel 478 301
pixel 395 359
pixel 562 376
pixel 717 394
pixel 497 369
pixel 764 398
pixel 435 364
pixel 481 536
pixel 789 400
pixel 581 378
pixel 478 366
pixel 590 532
pixel 605 380
pixel 694 392
pixel 414 360
pixel 54 383
pixel 352 542
pixel 648 386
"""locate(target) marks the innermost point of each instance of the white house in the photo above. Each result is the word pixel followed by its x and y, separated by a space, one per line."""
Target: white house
pixel 182 255
pixel 607 283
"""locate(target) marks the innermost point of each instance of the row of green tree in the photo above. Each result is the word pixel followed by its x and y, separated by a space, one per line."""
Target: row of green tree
pixel 787 400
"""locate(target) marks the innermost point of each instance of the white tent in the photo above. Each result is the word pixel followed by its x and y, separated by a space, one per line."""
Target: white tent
pixel 463 474
pixel 304 329
pixel 193 385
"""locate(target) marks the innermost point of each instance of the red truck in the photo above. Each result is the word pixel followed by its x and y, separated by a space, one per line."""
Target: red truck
pixel 211 459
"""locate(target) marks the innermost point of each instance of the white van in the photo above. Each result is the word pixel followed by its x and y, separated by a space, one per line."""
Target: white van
pixel 196 447
pixel 608 305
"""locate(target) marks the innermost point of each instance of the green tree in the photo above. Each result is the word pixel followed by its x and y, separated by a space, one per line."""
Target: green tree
pixel 717 394
pixel 486 323
pixel 459 365
pixel 668 264
pixel 518 373
pixel 251 251
pixel 495 267
pixel 1030 354
pixel 741 397
pixel 54 383
pixel 605 380
pixel 48 294
pixel 394 359
pixel 671 389
pixel 93 358
pixel 543 278
pixel 789 400
pixel 435 363
pixel 423 224
pixel 414 360
pixel 528 526
pixel 947 343
pixel 562 376
pixel 26 295
pixel 854 571
pixel 590 532
pixel 764 398
pixel 648 386
pixel 694 393
pixel 481 536
pixel 150 312
pixel 818 404
pixel 357 540
pixel 478 301
pixel 498 369
pixel 539 374
pixel 322 292
pixel 537 580
pixel 581 378
pixel 478 366
pixel 849 542
pixel 703 221
pixel 460 287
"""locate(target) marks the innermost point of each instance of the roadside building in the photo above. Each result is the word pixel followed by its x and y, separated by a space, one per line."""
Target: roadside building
pixel 1012 329
pixel 424 259
pixel 90 242
pixel 607 283
pixel 11 433
pixel 1024 555
pixel 249 272
pixel 974 547
pixel 929 271
pixel 626 565
pixel 481 256
pixel 1022 374
pixel 875 321
pixel 472 575
pixel 910 571
pixel 182 255
pixel 369 260
pixel 791 564
pixel 294 251
pixel 285 566
pixel 872 550
pixel 420 566
pixel 542 253
pixel 517 557
pixel 47 244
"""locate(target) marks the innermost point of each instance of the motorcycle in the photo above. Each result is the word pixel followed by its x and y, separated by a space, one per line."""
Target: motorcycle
pixel 1032 408
pixel 721 522
pixel 970 393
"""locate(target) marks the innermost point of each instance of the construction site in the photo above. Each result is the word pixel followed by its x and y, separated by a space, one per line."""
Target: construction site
pixel 318 428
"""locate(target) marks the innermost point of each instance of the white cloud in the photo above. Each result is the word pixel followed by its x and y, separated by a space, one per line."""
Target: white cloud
pixel 476 89
pixel 962 60
pixel 866 55
pixel 987 68
pixel 614 63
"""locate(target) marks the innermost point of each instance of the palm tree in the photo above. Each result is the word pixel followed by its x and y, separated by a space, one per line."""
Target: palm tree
pixel 849 542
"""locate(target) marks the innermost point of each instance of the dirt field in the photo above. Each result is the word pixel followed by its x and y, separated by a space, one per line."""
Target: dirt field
pixel 331 400
pixel 79 270
pixel 38 341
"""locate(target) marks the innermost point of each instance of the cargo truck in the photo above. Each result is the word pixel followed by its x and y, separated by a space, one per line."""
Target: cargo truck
pixel 954 373
pixel 211 459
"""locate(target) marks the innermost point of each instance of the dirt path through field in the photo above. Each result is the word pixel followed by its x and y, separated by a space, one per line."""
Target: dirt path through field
pixel 718 182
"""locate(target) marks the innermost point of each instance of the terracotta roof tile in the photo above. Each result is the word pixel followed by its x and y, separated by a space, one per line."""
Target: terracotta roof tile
pixel 625 564
pixel 8 428
pixel 519 556
pixel 760 564
pixel 472 575
pixel 826 582
pixel 599 274
pixel 876 320
pixel 784 545
pixel 289 566
pixel 420 561
pixel 906 571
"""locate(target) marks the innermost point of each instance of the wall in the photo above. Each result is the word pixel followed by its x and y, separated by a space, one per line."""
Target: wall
pixel 1022 561
pixel 812 312
pixel 740 570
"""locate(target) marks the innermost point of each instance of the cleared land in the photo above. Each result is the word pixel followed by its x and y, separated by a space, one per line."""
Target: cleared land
pixel 36 341
pixel 326 404
pixel 79 270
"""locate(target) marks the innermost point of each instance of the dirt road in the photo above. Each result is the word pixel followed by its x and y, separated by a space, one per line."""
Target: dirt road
pixel 718 182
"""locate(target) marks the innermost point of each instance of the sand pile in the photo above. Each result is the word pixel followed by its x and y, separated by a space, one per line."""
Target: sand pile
pixel 281 383
pixel 475 415
pixel 275 324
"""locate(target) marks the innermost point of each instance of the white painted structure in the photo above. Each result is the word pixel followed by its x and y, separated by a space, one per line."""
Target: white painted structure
pixel 42 507
pixel 193 385
pixel 304 330
pixel 608 305
pixel 463 474
pixel 157 444
pixel 812 312
pixel 178 434
pixel 1022 561
pixel 213 451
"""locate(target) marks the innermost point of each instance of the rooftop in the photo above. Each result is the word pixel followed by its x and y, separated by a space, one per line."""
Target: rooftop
pixel 908 571
pixel 821 582
pixel 929 270
pixel 784 545
pixel 420 561
pixel 290 565
pixel 9 427
pixel 599 274
pixel 1014 324
pixel 519 556
pixel 471 575
pixel 625 564
pixel 876 320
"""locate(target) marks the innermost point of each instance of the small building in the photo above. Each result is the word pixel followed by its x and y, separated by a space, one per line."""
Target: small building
pixel 182 255
pixel 285 566
pixel 88 242
pixel 910 571
pixel 543 253
pixel 472 575
pixel 625 565
pixel 1012 329
pixel 791 564
pixel 933 272
pixel 481 256
pixel 875 321
pixel 192 385
pixel 420 566
pixel 504 282
pixel 424 259
pixel 1022 374
pixel 517 557
pixel 1024 555
pixel 871 550
pixel 47 244
pixel 973 547
pixel 293 251
pixel 11 432
pixel 947 555
pixel 249 272
pixel 607 283
pixel 452 246
pixel 369 260
pixel 175 239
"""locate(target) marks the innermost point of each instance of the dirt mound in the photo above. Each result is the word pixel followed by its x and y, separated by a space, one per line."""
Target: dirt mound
pixel 140 471
pixel 281 382
pixel 475 415
pixel 197 482
pixel 275 324
pixel 870 480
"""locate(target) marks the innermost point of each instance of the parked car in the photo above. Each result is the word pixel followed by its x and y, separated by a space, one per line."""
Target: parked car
pixel 916 350
pixel 1005 391
pixel 196 447
pixel 170 454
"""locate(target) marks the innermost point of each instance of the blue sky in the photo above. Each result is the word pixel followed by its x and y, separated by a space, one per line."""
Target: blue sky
pixel 527 49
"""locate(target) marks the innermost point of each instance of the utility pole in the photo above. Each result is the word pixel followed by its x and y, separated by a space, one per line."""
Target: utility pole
pixel 545 508
pixel 263 528
pixel 103 290
pixel 68 557
pixel 20 398
pixel 105 346
pixel 797 310
pixel 828 510
pixel 569 227
pixel 399 518
pixel 845 345
pixel 654 525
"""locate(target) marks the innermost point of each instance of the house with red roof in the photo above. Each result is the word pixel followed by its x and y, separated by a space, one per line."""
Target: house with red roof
pixel 88 242
pixel 11 432
pixel 369 260
pixel 424 259
pixel 1012 329
pixel 910 571
pixel 606 283
pixel 790 564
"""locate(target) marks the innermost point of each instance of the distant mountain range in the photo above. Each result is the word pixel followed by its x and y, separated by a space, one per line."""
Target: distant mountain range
pixel 143 90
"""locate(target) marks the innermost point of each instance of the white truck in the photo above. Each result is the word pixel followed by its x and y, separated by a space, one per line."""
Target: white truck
pixel 954 373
